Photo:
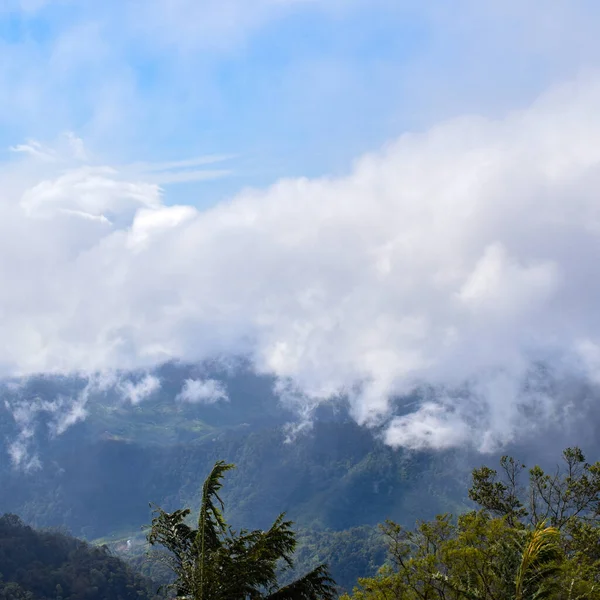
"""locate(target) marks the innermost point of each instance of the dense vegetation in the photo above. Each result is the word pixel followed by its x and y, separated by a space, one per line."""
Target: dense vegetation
pixel 350 554
pixel 524 542
pixel 214 562
pixel 40 565
pixel 532 535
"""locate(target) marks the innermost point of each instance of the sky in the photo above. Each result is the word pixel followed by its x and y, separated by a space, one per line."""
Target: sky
pixel 361 197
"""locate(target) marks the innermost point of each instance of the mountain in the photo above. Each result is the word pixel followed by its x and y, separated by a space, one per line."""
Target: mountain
pixel 334 479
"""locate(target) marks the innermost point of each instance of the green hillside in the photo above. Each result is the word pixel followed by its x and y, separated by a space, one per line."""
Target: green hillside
pixel 48 565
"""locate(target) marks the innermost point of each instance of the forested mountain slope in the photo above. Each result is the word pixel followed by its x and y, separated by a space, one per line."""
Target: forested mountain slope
pixel 97 477
pixel 42 565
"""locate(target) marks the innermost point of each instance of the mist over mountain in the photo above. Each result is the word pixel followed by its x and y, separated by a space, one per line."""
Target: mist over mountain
pixel 135 443
pixel 97 476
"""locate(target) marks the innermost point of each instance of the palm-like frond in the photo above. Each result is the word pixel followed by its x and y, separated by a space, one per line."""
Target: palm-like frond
pixel 213 562
pixel 171 532
pixel 539 563
pixel 211 523
pixel 247 562
pixel 316 585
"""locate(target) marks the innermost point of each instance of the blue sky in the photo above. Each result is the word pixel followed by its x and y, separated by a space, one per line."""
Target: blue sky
pixel 290 88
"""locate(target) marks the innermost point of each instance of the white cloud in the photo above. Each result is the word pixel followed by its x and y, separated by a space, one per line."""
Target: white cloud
pixel 139 391
pixel 33 148
pixel 454 257
pixel 202 391
pixel 55 415
pixel 21 458
pixel 88 191
pixel 430 426
pixel 60 414
pixel 498 285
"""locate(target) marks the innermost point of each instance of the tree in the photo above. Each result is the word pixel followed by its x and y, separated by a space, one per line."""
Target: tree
pixel 568 498
pixel 525 542
pixel 215 562
pixel 571 493
pixel 476 558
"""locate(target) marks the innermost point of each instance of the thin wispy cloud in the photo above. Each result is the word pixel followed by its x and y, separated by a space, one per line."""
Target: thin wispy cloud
pixel 179 171
pixel 180 164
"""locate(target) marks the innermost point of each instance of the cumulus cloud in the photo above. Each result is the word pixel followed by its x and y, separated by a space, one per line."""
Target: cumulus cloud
pixel 202 391
pixel 431 425
pixel 140 390
pixel 456 258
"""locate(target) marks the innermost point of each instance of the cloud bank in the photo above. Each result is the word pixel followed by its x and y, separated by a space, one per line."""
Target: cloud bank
pixel 460 260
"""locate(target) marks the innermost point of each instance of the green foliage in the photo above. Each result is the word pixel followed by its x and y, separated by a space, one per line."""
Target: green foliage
pixel 215 562
pixel 526 542
pixel 571 492
pixel 49 565
pixel 539 565
pixel 350 553
pixel 499 497
pixel 477 557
